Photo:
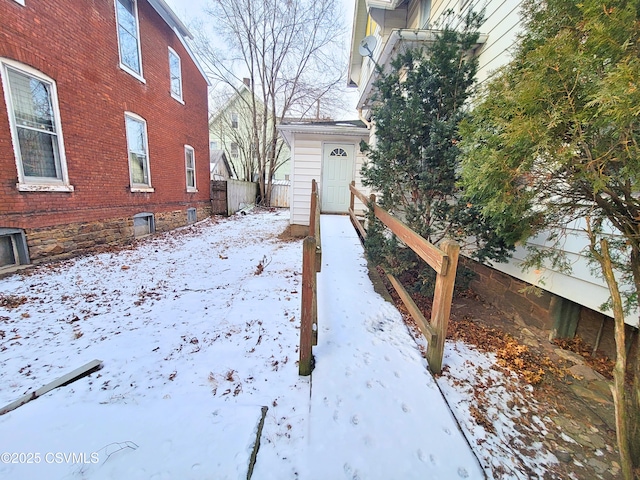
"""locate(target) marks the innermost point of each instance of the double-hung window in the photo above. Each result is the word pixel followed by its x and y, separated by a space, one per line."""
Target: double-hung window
pixel 129 37
pixel 32 106
pixel 138 147
pixel 175 74
pixel 190 164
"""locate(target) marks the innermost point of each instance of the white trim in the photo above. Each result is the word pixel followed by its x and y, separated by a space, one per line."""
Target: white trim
pixel 138 187
pixel 190 189
pixel 139 75
pixel 21 2
pixel 179 97
pixel 193 57
pixel 27 183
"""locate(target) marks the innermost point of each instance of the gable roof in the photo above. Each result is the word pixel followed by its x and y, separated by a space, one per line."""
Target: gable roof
pixel 233 99
pixel 218 157
pixel 180 29
pixel 169 17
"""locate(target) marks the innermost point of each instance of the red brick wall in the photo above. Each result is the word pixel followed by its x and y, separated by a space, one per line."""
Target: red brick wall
pixel 75 43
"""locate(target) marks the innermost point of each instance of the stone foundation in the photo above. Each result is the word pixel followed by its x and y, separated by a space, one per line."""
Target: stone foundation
pixel 66 241
pixel 559 317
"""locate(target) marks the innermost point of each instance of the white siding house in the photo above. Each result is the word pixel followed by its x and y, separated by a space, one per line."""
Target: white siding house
pixel 393 25
pixel 328 152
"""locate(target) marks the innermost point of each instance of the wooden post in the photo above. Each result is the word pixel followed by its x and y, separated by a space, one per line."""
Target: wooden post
pixel 441 308
pixel 352 198
pixel 312 210
pixel 314 311
pixel 306 325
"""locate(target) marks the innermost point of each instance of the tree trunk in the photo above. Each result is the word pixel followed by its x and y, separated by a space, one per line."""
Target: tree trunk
pixel 618 389
pixel 634 414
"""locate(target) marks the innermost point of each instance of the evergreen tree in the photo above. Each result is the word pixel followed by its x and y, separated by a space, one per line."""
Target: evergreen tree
pixel 556 140
pixel 414 164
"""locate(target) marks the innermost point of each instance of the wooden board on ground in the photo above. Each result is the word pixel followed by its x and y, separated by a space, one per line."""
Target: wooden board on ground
pixel 78 373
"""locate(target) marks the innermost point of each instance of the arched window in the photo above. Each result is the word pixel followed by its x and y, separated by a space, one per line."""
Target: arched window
pixel 338 152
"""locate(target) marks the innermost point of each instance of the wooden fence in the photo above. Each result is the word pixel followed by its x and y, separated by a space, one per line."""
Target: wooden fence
pixel 443 260
pixel 311 264
pixel 229 196
pixel 280 193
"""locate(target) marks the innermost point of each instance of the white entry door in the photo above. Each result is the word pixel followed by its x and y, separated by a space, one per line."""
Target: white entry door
pixel 337 173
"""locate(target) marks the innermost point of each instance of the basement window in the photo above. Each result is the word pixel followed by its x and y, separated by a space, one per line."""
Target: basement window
pixel 13 248
pixel 192 216
pixel 143 224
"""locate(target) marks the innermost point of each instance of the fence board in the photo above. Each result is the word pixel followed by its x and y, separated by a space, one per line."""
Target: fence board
pixel 306 323
pixel 427 330
pixel 280 193
pixel 431 254
pixel 218 195
pixel 441 308
pixel 444 261
pixel 240 194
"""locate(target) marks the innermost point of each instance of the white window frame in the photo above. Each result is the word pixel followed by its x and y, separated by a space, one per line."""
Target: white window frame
pixel 139 75
pixel 234 119
pixel 138 187
pixel 189 149
pixel 177 95
pixel 29 183
pixel 21 2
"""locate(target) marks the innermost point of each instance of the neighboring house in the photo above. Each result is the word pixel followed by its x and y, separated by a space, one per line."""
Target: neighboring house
pixel 219 165
pixel 329 153
pixel 230 130
pixel 103 126
pixel 568 303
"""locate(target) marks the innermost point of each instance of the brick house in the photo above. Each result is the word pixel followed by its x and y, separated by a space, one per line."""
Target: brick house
pixel 103 126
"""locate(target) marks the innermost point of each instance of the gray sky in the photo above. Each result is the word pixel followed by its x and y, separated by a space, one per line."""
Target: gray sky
pixel 188 10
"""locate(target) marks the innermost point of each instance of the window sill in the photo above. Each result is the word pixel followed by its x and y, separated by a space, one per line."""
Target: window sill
pixel 192 190
pixel 142 189
pixel 177 99
pixel 133 73
pixel 31 187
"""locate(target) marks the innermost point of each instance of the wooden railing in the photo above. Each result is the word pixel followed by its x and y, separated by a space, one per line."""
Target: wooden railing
pixel 311 264
pixel 443 260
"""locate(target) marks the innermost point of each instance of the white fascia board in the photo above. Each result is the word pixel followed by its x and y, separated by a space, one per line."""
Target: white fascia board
pixel 384 4
pixel 397 38
pixel 169 17
pixel 287 131
pixel 192 55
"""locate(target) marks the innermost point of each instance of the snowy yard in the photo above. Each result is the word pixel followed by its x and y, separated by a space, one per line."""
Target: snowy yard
pixel 197 330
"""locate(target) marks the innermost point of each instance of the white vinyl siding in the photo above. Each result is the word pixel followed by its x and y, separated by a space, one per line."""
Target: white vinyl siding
pixel 306 155
pixel 129 37
pixel 175 74
pixel 34 117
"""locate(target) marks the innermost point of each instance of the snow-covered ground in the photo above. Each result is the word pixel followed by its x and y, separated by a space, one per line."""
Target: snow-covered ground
pixel 198 330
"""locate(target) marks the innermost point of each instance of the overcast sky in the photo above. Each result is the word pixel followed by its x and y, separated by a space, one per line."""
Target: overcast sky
pixel 189 10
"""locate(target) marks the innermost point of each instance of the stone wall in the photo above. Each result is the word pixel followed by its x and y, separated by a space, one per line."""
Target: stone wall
pixel 66 241
pixel 556 316
pixel 511 295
